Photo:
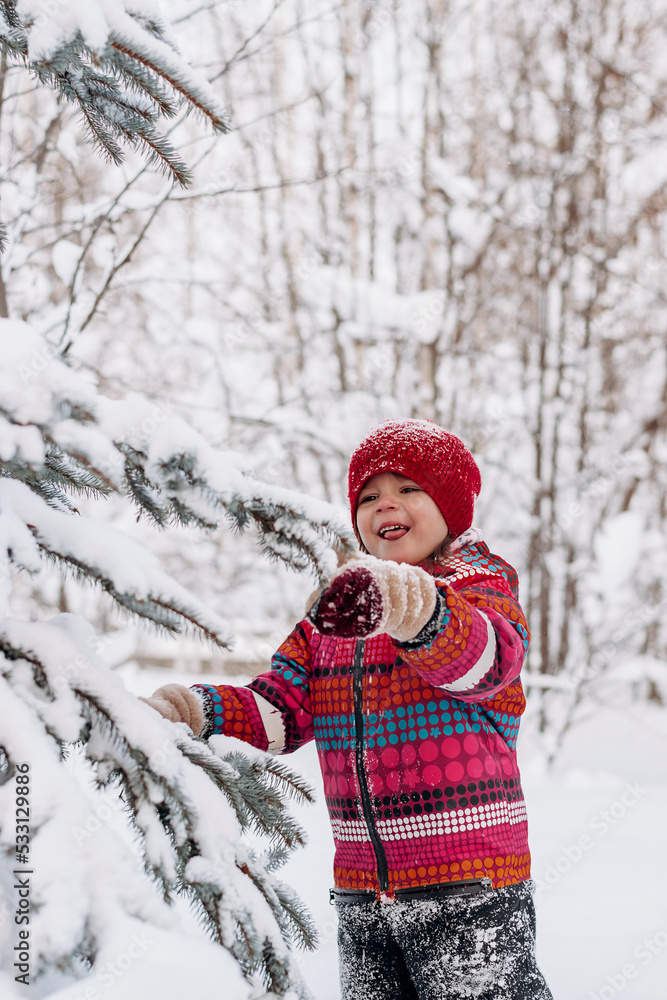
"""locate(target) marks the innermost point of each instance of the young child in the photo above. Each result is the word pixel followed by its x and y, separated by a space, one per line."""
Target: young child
pixel 406 674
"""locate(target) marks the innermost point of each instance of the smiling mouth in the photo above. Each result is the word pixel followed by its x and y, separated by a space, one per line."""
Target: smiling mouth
pixel 392 531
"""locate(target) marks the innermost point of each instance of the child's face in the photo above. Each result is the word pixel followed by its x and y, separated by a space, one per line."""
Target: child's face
pixel 389 500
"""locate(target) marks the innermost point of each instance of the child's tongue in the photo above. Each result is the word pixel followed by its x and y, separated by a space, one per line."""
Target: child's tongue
pixel 395 533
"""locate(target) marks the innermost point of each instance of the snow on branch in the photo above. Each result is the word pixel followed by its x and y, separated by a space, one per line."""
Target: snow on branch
pixel 175 475
pixel 120 565
pixel 115 60
pixel 60 438
pixel 55 691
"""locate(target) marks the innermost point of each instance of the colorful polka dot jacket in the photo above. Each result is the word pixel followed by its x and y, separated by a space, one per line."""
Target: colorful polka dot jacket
pixel 416 740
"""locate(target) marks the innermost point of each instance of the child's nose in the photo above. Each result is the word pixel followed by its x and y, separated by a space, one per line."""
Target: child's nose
pixel 386 503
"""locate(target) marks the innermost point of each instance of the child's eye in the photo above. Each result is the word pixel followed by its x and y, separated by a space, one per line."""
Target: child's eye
pixel 369 496
pixel 411 489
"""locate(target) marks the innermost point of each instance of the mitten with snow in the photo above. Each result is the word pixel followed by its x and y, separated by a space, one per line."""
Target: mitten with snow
pixel 369 596
pixel 178 704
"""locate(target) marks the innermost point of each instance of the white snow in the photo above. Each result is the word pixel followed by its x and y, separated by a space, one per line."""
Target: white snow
pixel 132 569
pixel 618 549
pixel 372 311
pixel 65 256
pixel 85 870
pixel 141 962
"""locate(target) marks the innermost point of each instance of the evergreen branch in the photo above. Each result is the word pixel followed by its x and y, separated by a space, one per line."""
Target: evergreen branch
pixel 127 107
pixel 168 821
pixel 190 616
pixel 295 921
pixel 98 136
pixel 182 514
pixel 110 114
pixel 56 473
pixel 275 857
pixel 294 783
pixel 154 596
pixel 137 776
pixel 148 608
pixel 50 492
pixel 192 94
pixel 9 12
pixel 13 44
pixel 256 802
pixel 285 532
pixel 12 652
pixel 136 77
pixel 159 152
pixel 139 62
pixel 153 27
pixel 75 473
pixel 138 781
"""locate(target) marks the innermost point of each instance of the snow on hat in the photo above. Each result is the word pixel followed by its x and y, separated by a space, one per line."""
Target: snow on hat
pixel 436 460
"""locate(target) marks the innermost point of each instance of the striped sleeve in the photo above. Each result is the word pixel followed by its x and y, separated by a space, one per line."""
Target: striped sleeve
pixel 474 644
pixel 273 712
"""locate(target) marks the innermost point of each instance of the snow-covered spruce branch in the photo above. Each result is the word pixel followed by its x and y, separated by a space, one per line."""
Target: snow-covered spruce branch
pixel 119 565
pixel 59 437
pixel 54 690
pixel 116 61
pixel 175 475
pixel 261 807
pixel 190 809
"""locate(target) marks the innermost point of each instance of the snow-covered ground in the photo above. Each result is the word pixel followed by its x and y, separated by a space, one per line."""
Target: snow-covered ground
pixel 597 829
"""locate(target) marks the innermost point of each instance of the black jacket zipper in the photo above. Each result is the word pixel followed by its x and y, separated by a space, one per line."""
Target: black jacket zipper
pixel 358 698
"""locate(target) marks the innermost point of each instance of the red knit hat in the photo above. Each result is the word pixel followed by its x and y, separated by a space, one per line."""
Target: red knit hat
pixel 436 460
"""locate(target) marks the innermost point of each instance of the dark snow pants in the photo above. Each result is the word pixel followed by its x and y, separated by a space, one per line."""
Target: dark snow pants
pixel 448 948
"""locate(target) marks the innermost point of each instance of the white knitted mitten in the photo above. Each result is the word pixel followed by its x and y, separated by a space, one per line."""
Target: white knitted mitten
pixel 178 704
pixel 368 596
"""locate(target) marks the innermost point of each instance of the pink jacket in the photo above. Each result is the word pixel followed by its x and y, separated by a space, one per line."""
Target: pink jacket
pixel 416 740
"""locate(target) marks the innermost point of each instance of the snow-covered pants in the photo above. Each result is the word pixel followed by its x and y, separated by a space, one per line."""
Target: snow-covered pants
pixel 448 948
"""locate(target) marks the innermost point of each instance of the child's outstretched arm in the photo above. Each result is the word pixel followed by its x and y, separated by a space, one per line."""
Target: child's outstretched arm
pixel 273 712
pixel 475 643
pixel 471 642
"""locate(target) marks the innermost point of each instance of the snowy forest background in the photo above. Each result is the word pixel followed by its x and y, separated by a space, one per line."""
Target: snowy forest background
pixel 437 209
